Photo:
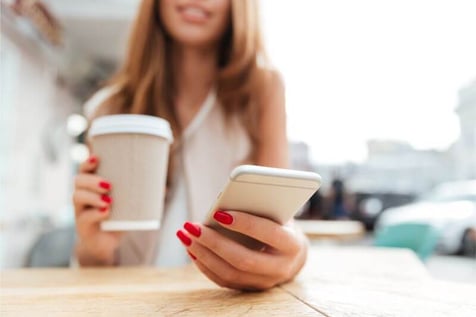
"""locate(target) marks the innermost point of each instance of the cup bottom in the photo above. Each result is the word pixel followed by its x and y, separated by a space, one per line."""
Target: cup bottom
pixel 140 225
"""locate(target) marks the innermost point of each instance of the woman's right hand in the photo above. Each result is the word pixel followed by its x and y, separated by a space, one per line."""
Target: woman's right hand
pixel 92 205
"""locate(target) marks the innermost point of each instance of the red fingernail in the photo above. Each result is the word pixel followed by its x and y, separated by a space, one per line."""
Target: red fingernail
pixel 103 209
pixel 193 229
pixel 223 217
pixel 92 159
pixel 105 185
pixel 191 255
pixel 185 240
pixel 106 199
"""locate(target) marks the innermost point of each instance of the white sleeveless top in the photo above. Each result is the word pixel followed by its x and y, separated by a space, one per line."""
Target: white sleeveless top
pixel 170 250
pixel 206 153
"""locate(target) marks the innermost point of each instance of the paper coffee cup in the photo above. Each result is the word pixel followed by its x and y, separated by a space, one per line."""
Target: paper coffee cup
pixel 133 152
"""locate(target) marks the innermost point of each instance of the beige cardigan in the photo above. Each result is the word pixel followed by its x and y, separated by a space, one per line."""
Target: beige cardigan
pixel 209 150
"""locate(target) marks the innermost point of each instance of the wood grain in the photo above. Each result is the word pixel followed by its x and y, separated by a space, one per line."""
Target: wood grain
pixel 134 292
pixel 148 302
pixel 378 282
pixel 341 281
pixel 383 299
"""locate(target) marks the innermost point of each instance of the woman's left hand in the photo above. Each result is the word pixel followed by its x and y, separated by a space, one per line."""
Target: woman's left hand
pixel 229 264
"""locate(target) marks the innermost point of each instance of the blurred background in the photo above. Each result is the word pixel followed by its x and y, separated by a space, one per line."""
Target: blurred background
pixel 381 101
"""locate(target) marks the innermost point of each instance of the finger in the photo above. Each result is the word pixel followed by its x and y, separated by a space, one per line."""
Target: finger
pixel 225 270
pixel 93 183
pixel 282 238
pixel 237 255
pixel 90 219
pixel 213 277
pixel 90 165
pixel 83 198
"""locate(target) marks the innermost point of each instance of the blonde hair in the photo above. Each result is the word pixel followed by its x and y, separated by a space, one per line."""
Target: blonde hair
pixel 145 80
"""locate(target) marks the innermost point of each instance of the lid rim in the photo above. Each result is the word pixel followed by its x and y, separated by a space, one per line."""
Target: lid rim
pixel 131 123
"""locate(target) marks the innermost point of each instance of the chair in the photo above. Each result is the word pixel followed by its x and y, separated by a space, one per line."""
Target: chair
pixel 52 249
pixel 420 237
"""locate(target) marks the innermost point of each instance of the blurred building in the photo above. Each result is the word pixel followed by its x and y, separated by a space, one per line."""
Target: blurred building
pixel 300 159
pixel 396 167
pixel 299 156
pixel 35 166
pixel 464 150
pixel 52 59
pixel 97 33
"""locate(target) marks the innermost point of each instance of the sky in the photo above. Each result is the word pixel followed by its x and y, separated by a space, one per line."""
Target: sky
pixel 371 69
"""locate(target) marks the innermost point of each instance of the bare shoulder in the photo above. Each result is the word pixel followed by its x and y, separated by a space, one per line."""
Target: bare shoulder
pixel 272 89
pixel 272 80
pixel 272 150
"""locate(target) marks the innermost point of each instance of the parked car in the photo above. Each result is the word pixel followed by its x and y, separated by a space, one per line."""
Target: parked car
pixel 370 205
pixel 469 246
pixel 450 207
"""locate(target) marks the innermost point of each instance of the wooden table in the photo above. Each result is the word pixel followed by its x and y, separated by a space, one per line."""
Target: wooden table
pixel 335 282
pixel 332 229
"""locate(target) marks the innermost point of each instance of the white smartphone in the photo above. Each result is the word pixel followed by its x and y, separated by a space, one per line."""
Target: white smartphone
pixel 272 193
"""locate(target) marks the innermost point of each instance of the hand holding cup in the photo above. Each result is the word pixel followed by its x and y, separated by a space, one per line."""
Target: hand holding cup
pixel 125 190
pixel 92 204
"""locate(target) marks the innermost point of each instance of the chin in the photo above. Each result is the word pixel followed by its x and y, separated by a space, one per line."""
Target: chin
pixel 195 39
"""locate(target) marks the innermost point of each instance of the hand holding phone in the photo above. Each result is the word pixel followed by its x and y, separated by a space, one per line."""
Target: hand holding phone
pixel 272 193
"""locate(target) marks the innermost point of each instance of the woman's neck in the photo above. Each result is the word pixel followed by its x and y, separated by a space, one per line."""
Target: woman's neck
pixel 195 73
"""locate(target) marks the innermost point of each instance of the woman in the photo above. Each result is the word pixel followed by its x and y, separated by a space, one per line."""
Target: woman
pixel 200 65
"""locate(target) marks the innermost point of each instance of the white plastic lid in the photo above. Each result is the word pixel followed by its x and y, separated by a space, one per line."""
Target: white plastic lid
pixel 131 123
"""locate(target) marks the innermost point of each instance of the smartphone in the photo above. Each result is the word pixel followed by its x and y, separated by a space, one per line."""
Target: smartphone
pixel 273 193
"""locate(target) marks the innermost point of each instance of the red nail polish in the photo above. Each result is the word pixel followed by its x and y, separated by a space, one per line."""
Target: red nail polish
pixel 185 240
pixel 106 199
pixel 105 185
pixel 103 209
pixel 92 159
pixel 191 255
pixel 193 229
pixel 223 217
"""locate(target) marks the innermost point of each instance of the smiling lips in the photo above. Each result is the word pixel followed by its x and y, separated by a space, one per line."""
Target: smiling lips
pixel 193 13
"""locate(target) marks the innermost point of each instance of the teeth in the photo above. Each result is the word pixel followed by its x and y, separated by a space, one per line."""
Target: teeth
pixel 195 12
